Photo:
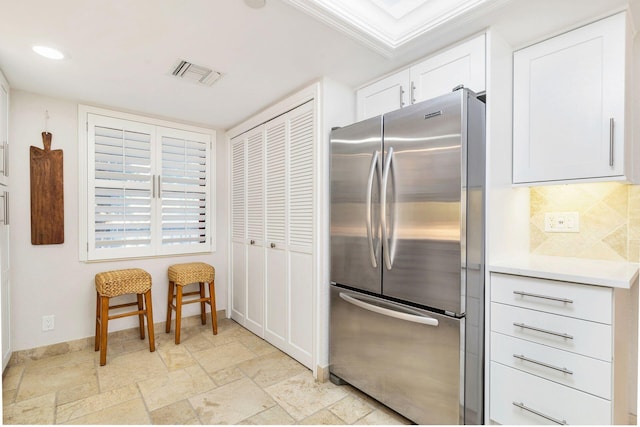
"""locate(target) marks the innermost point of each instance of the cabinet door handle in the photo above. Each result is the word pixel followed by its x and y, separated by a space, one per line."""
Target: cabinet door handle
pixel 526 294
pixel 413 93
pixel 273 245
pixel 545 331
pixel 153 186
pixel 540 414
pixel 611 124
pixel 546 365
pixel 253 242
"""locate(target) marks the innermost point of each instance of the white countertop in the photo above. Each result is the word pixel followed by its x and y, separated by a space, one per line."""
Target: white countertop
pixel 615 274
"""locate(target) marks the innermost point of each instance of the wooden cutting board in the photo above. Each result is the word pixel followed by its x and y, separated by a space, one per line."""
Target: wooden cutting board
pixel 47 197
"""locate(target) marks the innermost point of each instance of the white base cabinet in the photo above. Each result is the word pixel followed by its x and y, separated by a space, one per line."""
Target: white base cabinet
pixel 560 352
pixel 569 106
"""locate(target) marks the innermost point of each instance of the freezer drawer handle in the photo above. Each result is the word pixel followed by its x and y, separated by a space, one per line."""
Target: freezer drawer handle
pixel 425 320
pixel 526 294
pixel 372 170
pixel 545 331
pixel 540 414
pixel 546 365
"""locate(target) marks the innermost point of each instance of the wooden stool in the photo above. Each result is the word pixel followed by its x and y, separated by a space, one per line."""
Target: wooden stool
pixel 111 284
pixel 184 274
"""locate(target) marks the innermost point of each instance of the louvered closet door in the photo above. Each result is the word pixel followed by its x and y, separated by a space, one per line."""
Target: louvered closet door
pixel 183 190
pixel 300 232
pixel 120 188
pixel 276 284
pixel 255 231
pixel 239 229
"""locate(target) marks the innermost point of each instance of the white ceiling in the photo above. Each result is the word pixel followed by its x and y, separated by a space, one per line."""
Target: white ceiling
pixel 122 52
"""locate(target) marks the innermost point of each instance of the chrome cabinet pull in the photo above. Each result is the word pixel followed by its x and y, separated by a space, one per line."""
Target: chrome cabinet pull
pixel 413 93
pixel 372 170
pixel 159 186
pixel 546 331
pixel 6 208
pixel 526 294
pixel 611 141
pixel 153 186
pixel 401 97
pixel 546 365
pixel 540 414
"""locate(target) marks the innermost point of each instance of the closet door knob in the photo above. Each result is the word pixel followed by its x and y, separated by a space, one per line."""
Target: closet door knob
pixel 273 245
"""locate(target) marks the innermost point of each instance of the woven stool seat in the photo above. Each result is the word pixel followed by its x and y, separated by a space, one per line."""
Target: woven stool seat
pixel 120 282
pixel 181 275
pixel 114 283
pixel 191 272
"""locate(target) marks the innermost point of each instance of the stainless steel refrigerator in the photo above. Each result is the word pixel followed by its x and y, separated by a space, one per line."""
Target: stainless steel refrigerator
pixel 407 258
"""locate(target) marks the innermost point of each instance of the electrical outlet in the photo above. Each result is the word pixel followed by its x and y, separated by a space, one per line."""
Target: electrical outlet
pixel 48 322
pixel 562 222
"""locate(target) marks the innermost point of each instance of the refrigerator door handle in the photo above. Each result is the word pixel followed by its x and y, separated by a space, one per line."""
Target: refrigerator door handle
pixel 372 171
pixel 424 320
pixel 388 238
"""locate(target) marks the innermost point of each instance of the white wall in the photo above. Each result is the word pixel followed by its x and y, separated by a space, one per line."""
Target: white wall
pixel 50 279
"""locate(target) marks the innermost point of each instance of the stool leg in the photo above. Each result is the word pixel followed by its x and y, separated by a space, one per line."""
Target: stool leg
pixel 167 329
pixel 212 303
pixel 104 322
pixel 97 343
pixel 149 313
pixel 178 311
pixel 141 315
pixel 203 307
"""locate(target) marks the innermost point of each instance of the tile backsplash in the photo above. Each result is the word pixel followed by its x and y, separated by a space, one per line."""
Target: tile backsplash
pixel 609 221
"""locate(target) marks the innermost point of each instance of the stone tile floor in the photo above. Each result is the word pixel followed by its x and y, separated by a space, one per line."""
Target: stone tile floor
pixel 230 378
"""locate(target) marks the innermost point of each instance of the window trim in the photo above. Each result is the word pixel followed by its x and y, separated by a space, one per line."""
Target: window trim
pixel 83 185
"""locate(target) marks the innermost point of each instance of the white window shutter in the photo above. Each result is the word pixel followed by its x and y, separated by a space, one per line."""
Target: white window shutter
pixel 183 191
pixel 120 176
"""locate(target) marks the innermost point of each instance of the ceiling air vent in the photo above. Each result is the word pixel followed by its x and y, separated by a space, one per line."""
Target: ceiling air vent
pixel 196 73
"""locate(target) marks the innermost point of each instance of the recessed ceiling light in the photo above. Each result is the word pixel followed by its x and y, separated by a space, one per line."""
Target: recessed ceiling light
pixel 48 52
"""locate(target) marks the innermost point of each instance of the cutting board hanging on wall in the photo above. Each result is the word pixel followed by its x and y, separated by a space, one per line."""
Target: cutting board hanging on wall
pixel 47 196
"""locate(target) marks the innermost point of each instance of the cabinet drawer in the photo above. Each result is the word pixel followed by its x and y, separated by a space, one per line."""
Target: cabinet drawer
pixel 548 399
pixel 583 373
pixel 568 299
pixel 579 336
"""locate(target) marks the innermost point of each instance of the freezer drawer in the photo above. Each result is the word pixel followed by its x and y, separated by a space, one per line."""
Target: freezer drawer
pixel 415 355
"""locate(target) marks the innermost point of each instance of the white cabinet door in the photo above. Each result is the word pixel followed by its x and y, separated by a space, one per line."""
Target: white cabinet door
pixel 239 229
pixel 4 131
pixel 463 64
pixel 568 105
pixel 5 296
pixel 277 283
pixel 255 232
pixel 388 94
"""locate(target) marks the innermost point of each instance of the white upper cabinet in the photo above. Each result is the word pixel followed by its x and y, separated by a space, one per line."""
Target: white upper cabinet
pixel 569 106
pixel 384 95
pixel 463 64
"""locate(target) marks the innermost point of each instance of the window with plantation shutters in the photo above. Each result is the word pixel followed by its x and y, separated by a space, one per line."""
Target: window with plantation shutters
pixel 148 189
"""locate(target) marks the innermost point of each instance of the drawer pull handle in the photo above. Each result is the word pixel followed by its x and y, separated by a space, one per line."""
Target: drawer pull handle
pixel 526 294
pixel 546 365
pixel 545 331
pixel 540 414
